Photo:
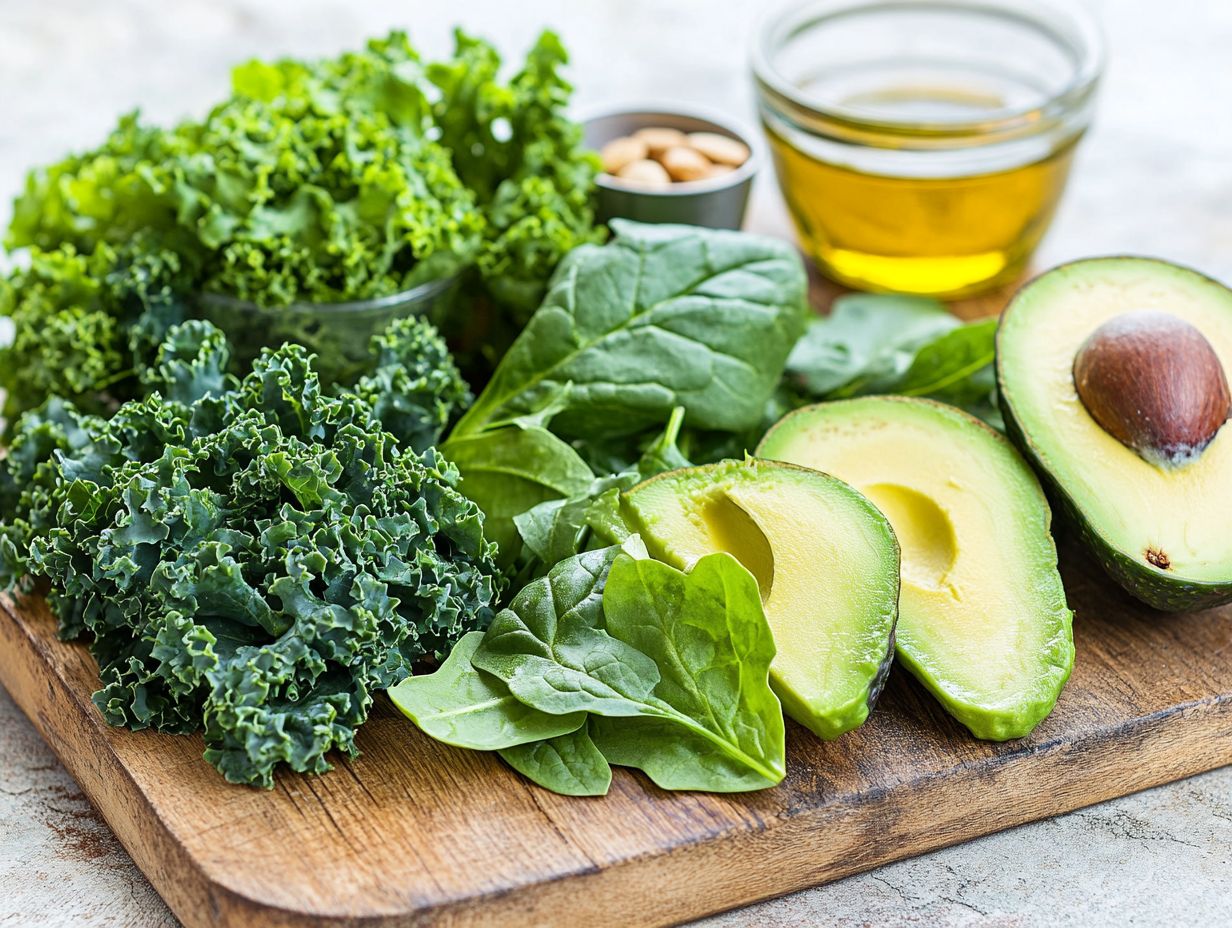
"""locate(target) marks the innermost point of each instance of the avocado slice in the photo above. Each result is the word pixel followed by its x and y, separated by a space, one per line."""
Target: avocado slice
pixel 826 561
pixel 1160 528
pixel 983 621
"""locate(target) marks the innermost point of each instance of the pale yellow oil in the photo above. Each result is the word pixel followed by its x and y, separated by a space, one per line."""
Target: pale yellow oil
pixel 942 236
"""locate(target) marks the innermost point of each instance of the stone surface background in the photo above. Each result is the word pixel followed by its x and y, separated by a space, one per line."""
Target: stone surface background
pixel 1154 177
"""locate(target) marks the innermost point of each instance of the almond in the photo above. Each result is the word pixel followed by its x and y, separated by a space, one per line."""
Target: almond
pixel 620 152
pixel 685 164
pixel 645 173
pixel 659 139
pixel 720 149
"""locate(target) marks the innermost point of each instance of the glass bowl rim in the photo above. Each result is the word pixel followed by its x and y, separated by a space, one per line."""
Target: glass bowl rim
pixel 780 24
pixel 420 292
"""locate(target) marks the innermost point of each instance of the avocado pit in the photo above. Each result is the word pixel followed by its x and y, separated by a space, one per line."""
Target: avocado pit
pixel 1153 382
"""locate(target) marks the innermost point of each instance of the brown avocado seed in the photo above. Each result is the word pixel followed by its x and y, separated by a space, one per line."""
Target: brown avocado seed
pixel 1154 383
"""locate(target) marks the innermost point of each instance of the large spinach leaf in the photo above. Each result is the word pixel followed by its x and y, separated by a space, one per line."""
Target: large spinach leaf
pixel 864 338
pixel 673 669
pixel 663 316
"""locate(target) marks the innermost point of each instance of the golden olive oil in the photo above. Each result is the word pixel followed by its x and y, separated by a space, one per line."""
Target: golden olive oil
pixel 944 236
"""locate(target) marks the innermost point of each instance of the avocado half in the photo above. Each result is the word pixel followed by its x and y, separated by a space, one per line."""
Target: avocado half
pixel 983 621
pixel 1161 532
pixel 826 561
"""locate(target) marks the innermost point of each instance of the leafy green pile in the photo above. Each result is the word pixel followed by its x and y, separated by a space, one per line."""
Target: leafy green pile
pixel 603 658
pixel 514 148
pixel 84 325
pixel 342 179
pixel 614 658
pixel 252 558
pixel 337 180
pixel 909 346
pixel 663 317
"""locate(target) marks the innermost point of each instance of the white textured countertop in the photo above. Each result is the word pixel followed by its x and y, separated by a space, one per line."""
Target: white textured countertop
pixel 1155 177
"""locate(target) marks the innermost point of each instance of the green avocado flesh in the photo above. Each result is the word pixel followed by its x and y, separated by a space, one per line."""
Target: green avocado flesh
pixel 983 621
pixel 1134 515
pixel 824 557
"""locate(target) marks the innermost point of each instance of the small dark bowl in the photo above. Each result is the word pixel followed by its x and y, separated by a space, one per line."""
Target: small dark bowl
pixel 717 202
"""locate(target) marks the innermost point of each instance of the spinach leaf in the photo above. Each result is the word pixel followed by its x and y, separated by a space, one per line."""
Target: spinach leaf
pixel 568 764
pixel 866 336
pixel 509 470
pixel 663 316
pixel 468 708
pixel 689 651
pixel 559 528
pixel 942 366
pixel 910 346
pixel 672 757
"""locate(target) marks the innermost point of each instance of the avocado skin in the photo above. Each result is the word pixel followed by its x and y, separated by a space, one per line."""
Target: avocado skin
pixel 883 672
pixel 1143 582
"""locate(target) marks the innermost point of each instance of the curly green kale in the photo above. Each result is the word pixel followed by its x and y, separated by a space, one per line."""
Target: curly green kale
pixel 84 324
pixel 253 558
pixel 343 179
pixel 414 388
pixel 514 146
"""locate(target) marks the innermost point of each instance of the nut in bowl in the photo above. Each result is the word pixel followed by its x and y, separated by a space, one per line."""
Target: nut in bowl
pixel 669 164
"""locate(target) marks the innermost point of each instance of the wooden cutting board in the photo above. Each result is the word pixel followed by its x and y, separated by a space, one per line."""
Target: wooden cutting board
pixel 414 832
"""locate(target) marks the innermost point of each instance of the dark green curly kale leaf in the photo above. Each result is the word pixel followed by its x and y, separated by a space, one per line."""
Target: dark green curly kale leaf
pixel 84 323
pixel 252 558
pixel 414 388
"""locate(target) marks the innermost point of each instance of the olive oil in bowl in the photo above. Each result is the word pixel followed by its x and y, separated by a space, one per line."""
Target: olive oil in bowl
pixel 923 147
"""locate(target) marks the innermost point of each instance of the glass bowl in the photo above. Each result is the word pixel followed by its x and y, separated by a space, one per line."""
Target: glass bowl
pixel 922 146
pixel 338 333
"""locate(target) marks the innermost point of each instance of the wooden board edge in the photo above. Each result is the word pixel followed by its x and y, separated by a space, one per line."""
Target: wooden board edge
pixel 707 878
pixel 64 719
pixel 661 889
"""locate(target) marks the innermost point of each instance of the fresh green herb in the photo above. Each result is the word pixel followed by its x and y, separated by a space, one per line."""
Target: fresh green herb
pixel 469 708
pixel 319 182
pixel 85 324
pixel 310 183
pixel 865 337
pixel 559 528
pixel 413 386
pixel 664 316
pixel 252 562
pixel 943 365
pixel 511 470
pixel 322 181
pixel 514 147
pixel 904 345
